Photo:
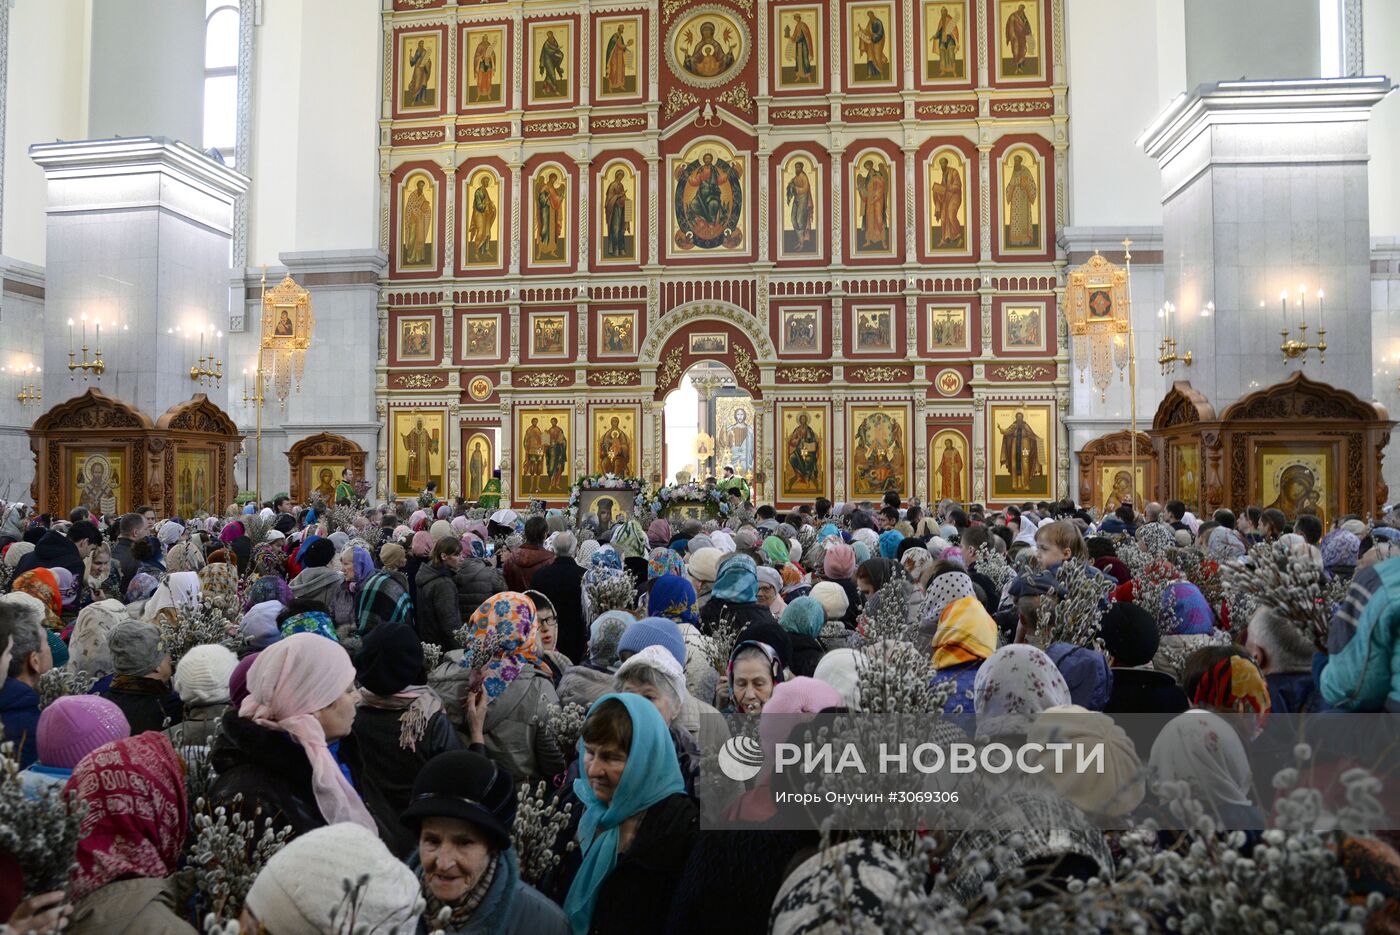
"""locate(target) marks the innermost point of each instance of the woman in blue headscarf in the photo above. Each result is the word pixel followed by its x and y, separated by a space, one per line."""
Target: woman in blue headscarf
pixel 734 597
pixel 803 620
pixel 633 824
pixel 673 597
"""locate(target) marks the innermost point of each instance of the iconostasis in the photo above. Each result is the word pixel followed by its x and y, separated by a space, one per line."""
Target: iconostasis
pixel 851 205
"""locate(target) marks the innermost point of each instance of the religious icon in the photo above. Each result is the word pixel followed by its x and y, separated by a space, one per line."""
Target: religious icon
pixel 479 389
pixel 801 332
pixel 947 328
pixel 1021 188
pixel 1101 303
pixel 799 214
pixel 870 60
pixel 482 244
pixel 1023 327
pixel 945 40
pixel 545 458
pixel 547 335
pixel 481 336
pixel 418 222
pixel 614 446
pixel 325 485
pixel 617 334
pixel 708 199
pixel 946 209
pixel 948 454
pixel 1186 474
pixel 707 47
pixel 418 54
pixel 419 450
pixel 734 442
pixel 1297 479
pixel 617 69
pixel 547 241
pixel 802 473
pixel 879 450
pixel 415 339
pixel 619 216
pixel 98 481
pixel 1020 46
pixel 487 47
pixel 1023 449
pixel 551 46
pixel 709 343
pixel 871 204
pixel 284 327
pixel 480 465
pixel 319 476
pixel 874 328
pixel 1116 485
pixel 800 57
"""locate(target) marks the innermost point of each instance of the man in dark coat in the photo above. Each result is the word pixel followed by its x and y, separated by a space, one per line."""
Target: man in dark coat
pixel 130 528
pixel 57 550
pixel 562 582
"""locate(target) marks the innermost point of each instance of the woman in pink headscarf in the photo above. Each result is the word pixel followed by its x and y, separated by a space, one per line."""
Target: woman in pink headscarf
pixel 287 749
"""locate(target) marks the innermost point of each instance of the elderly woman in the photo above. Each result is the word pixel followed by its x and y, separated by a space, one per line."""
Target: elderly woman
pixel 770 590
pixel 283 749
pixel 201 681
pixel 461 811
pixel 1202 749
pixel 632 824
pixel 803 620
pixel 734 597
pixel 754 671
pixel 383 596
pixel 127 857
pixel 584 683
pixel 1012 687
pixel 655 674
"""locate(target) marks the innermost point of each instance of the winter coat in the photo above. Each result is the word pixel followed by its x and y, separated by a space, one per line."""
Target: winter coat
pixel 383 597
pixel 637 895
pixel 522 563
pixel 147 703
pixel 124 560
pixel 437 606
pixel 19 712
pixel 390 768
pixel 510 907
pixel 477 582
pixel 317 584
pixel 515 733
pixel 1294 693
pixel 740 870
pixel 740 616
pixel 583 685
pixel 270 770
pixel 1145 691
pixel 141 906
pixel 199 727
pixel 703 722
pixel 52 551
pixel 562 582
pixel 962 676
pixel 1363 662
pixel 806 653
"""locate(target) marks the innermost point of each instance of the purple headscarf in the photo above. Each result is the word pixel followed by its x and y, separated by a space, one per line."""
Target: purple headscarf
pixel 1189 608
pixel 230 532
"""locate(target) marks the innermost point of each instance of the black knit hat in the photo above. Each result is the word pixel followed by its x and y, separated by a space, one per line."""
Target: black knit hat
pixel 318 554
pixel 285 523
pixel 390 659
pixel 1129 634
pixel 465 785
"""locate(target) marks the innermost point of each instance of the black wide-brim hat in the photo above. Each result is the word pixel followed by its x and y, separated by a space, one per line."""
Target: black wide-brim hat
pixel 467 786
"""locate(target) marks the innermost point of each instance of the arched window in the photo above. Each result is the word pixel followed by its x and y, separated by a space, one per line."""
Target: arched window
pixel 221 78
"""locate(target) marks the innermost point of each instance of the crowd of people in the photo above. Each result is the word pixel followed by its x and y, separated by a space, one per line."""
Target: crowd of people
pixel 462 720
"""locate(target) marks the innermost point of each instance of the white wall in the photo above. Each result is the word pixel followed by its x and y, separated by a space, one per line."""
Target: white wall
pixel 1381 20
pixel 1112 182
pixel 146 74
pixel 46 100
pixel 1253 39
pixel 315 129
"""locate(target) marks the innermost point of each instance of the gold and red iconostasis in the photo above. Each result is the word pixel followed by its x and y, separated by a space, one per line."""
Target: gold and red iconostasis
pixel 99 452
pixel 851 205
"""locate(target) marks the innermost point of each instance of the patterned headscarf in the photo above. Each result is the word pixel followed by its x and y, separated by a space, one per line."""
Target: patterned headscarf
pixel 1225 544
pixel 805 615
pixel 737 581
pixel 137 806
pixel 604 635
pixel 40 583
pixel 1339 547
pixel 184 556
pixel 1013 686
pixel 311 621
pixel 141 587
pixel 942 591
pixel 775 665
pixel 219 587
pixel 659 532
pixel 510 617
pixel 664 561
pixel 1234 684
pixel 673 596
pixel 630 540
pixel 1189 608
pixel 604 564
pixel 267 588
pixel 966 633
pixel 268 559
pixel 918 562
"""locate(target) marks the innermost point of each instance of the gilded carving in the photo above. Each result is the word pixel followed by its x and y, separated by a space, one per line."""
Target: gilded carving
pixel 613 377
pixel 879 374
pixel 1021 372
pixel 545 378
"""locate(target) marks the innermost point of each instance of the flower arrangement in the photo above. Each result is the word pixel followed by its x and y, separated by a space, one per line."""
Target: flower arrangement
pixel 711 498
pixel 607 482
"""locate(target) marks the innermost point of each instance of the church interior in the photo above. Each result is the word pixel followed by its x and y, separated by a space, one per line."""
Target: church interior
pixel 519 258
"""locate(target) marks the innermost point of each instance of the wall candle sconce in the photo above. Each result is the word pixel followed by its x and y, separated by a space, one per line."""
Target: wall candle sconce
pixel 1167 355
pixel 96 365
pixel 29 390
pixel 1299 347
pixel 208 369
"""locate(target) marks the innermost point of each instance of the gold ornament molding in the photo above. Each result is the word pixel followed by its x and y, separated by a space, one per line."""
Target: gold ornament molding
pixel 1021 372
pixel 545 378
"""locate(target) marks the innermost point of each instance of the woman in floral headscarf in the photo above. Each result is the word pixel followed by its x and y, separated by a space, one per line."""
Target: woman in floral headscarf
pixel 1012 687
pixel 520 694
pixel 130 843
pixel 41 584
pixel 268 559
pixel 219 587
pixel 664 561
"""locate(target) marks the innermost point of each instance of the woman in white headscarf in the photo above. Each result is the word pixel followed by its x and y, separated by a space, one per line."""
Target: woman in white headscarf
pixel 1202 749
pixel 181 589
pixel 1013 686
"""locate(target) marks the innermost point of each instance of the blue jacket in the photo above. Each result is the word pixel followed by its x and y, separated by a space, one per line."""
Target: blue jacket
pixel 962 675
pixel 19 711
pixel 1363 665
pixel 1294 693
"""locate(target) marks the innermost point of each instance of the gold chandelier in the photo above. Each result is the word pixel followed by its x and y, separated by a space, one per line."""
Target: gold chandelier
pixel 1098 310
